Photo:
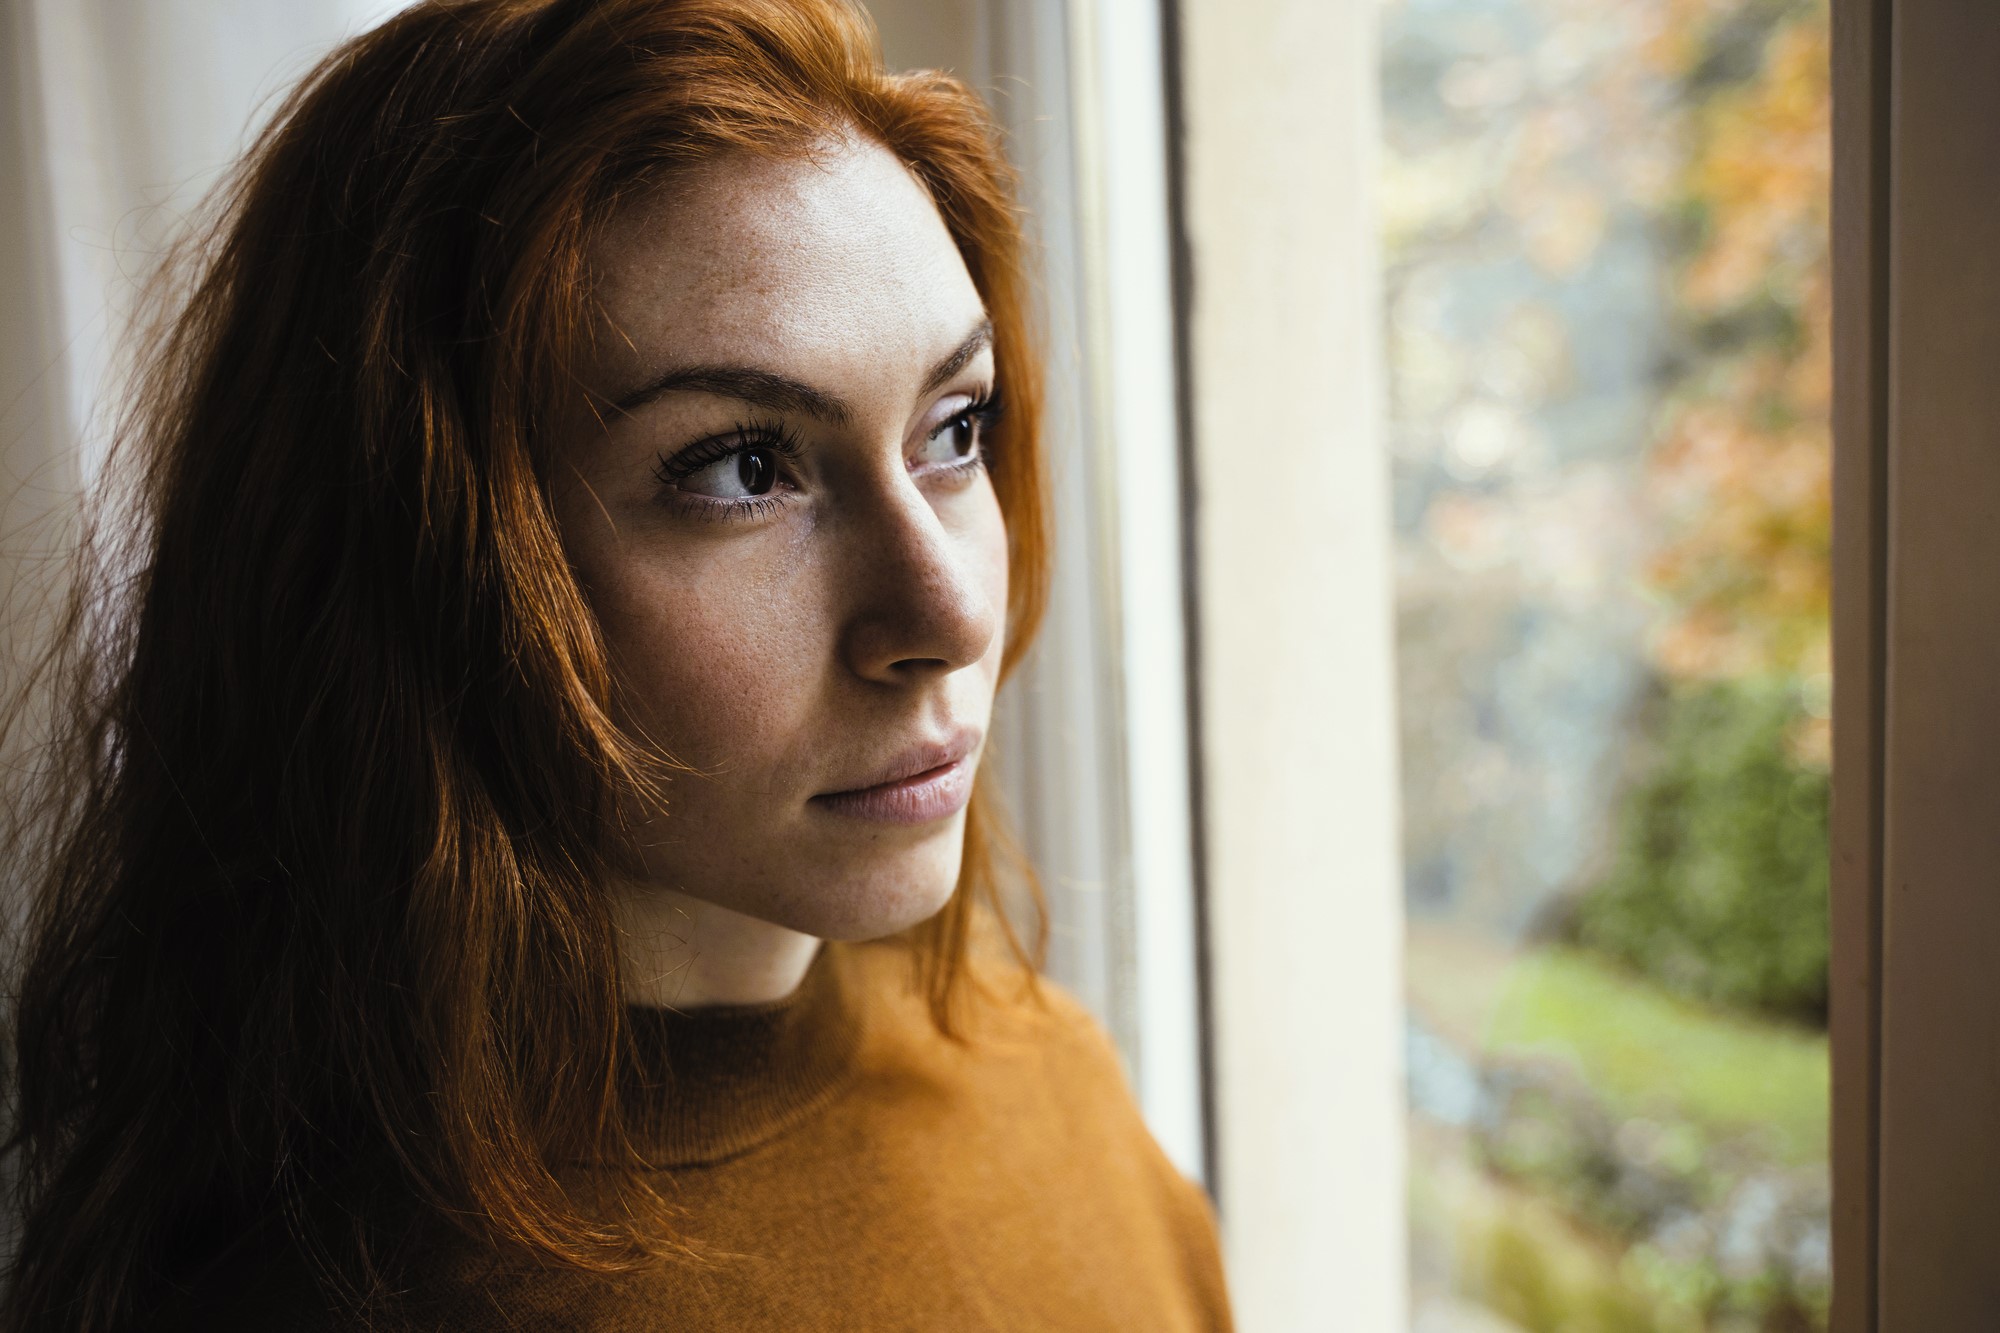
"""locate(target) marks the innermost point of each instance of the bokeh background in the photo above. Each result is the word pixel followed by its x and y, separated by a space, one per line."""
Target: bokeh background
pixel 1605 249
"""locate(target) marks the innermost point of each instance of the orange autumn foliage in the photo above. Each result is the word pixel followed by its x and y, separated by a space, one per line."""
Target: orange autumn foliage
pixel 1741 471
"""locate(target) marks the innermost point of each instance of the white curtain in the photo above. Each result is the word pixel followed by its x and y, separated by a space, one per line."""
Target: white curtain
pixel 118 116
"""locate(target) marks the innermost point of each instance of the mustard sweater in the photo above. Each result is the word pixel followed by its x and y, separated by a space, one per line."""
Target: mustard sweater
pixel 858 1171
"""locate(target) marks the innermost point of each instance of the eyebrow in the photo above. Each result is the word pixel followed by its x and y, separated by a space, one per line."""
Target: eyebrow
pixel 782 393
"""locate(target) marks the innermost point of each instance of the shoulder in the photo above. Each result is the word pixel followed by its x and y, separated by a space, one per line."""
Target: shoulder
pixel 1086 1055
pixel 1089 1059
pixel 1035 1056
pixel 1039 1083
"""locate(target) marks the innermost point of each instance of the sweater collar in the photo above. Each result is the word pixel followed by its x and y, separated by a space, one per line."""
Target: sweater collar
pixel 709 1083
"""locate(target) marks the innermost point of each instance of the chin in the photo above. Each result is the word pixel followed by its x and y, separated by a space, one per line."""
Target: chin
pixel 887 893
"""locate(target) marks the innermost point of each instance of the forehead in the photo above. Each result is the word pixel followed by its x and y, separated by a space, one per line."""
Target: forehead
pixel 823 262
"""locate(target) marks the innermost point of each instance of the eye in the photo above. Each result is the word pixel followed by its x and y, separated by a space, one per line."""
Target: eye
pixel 740 474
pixel 957 439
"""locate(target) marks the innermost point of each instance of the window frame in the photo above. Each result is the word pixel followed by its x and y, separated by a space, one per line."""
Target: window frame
pixel 1916 999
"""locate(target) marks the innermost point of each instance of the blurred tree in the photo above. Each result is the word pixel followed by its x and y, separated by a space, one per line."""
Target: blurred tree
pixel 1741 474
pixel 1719 890
pixel 1719 884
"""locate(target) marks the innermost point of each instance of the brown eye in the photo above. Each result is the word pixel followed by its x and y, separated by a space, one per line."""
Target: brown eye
pixel 958 439
pixel 739 475
pixel 960 435
pixel 756 469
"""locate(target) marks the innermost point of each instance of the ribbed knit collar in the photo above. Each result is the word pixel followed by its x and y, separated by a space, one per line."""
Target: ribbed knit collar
pixel 710 1083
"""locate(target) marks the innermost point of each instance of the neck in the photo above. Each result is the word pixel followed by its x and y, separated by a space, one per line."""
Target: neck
pixel 682 952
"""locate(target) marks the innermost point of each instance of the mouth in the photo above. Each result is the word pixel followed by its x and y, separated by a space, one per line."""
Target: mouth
pixel 928 781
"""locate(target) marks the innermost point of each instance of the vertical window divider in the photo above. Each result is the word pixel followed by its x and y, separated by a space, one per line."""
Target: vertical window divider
pixel 1861 129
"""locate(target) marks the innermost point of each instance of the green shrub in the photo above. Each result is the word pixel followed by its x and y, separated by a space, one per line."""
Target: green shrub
pixel 1719 886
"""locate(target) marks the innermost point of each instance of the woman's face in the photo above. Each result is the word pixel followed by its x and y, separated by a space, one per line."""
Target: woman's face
pixel 785 527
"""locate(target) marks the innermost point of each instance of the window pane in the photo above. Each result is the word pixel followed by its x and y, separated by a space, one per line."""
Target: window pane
pixel 1607 327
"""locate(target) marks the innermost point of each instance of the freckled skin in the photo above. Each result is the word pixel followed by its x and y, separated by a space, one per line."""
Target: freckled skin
pixel 796 651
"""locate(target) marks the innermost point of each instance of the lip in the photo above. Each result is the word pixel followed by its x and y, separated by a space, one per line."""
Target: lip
pixel 928 781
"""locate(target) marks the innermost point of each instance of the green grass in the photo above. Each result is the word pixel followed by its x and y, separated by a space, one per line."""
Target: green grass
pixel 1647 1052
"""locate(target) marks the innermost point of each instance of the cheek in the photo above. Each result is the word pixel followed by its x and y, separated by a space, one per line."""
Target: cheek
pixel 711 660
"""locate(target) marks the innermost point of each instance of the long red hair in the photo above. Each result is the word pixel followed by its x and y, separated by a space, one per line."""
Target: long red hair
pixel 313 863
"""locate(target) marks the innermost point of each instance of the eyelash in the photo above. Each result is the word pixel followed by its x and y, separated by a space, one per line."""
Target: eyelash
pixel 984 410
pixel 775 436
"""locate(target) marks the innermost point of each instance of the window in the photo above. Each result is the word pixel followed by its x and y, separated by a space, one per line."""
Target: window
pixel 1298 144
pixel 1607 324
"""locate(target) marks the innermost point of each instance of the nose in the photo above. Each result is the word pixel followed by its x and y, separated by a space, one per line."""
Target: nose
pixel 920 607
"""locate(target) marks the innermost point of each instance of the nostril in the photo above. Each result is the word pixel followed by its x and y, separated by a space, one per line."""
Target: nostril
pixel 918 665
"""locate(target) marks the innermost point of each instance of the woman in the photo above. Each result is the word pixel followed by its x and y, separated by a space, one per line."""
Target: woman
pixel 582 538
